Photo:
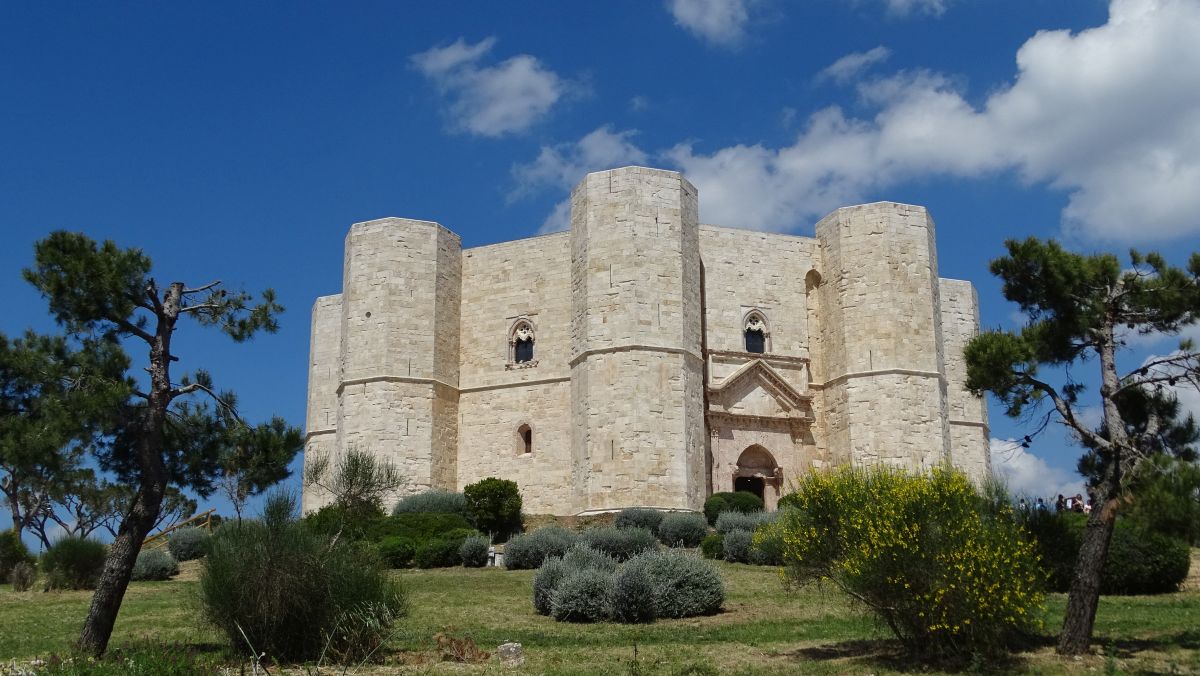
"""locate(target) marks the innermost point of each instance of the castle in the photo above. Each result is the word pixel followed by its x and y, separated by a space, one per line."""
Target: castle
pixel 644 359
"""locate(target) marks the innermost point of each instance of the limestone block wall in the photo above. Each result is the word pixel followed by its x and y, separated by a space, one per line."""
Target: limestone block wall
pixel 324 366
pixel 744 270
pixel 885 396
pixel 969 448
pixel 399 350
pixel 502 283
pixel 636 366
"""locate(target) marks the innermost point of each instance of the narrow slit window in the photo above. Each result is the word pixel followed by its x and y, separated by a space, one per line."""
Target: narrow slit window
pixel 525 439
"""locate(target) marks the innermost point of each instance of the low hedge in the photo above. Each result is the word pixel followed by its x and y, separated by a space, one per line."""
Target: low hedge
pixel 73 563
pixel 639 517
pixel 620 543
pixel 1139 561
pixel 741 501
pixel 397 551
pixel 683 529
pixel 432 502
pixel 529 551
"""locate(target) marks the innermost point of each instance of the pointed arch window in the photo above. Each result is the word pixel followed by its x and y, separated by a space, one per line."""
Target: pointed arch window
pixel 756 332
pixel 521 342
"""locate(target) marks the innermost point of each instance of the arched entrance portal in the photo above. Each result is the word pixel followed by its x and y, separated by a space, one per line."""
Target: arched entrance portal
pixel 758 473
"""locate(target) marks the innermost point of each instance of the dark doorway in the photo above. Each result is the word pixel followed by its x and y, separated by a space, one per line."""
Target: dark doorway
pixel 749 484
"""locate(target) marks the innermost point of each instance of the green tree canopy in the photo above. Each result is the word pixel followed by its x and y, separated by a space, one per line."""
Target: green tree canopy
pixel 1080 308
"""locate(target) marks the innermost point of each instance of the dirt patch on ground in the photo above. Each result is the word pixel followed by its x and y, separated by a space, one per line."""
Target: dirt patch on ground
pixel 189 571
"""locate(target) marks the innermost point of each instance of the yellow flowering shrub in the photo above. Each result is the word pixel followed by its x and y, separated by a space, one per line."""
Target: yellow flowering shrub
pixel 943 568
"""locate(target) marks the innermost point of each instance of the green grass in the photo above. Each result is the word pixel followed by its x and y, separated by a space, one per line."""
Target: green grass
pixel 764 629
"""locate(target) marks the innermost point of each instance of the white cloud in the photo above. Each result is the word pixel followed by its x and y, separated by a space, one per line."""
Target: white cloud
pixel 1028 475
pixel 490 100
pixel 851 65
pixel 720 22
pixel 1108 115
pixel 906 7
pixel 563 165
pixel 639 103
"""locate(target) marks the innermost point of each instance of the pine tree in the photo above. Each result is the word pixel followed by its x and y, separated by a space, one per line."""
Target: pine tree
pixel 1078 308
pixel 163 434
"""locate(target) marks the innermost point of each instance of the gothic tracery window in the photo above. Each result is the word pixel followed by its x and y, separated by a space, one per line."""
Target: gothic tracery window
pixel 520 342
pixel 756 333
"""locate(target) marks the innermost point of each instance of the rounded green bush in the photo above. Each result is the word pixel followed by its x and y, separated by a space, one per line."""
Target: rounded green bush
pixel 685 585
pixel 620 543
pixel 356 524
pixel 632 596
pixel 729 521
pixel 396 551
pixel 768 543
pixel 12 552
pixel 683 529
pixel 298 594
pixel 433 502
pixel 154 564
pixel 737 546
pixel 73 563
pixel 529 551
pixel 416 526
pixel 583 557
pixel 1139 561
pixel 582 596
pixel 438 553
pixel 639 517
pixel 187 544
pixel 474 551
pixel 494 507
pixel 740 501
pixel 544 583
pixel 713 546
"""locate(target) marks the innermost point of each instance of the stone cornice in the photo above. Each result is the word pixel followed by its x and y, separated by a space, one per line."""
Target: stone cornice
pixel 880 372
pixel 970 423
pixel 634 348
pixel 765 356
pixel 318 433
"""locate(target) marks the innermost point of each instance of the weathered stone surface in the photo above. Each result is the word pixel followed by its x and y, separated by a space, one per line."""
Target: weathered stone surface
pixel 511 654
pixel 640 390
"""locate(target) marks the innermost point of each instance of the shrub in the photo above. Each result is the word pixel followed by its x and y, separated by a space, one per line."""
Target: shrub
pixel 1140 561
pixel 730 521
pixel 632 594
pixel 417 526
pixel 737 546
pixel 474 551
pixel 683 529
pixel 296 592
pixel 433 501
pixel 545 582
pixel 396 551
pixel 356 524
pixel 921 554
pixel 768 543
pixel 525 552
pixel 639 517
pixel 154 564
pixel 583 557
pixel 442 552
pixel 582 596
pixel 12 552
pixel 494 506
pixel 685 585
pixel 22 576
pixel 741 501
pixel 620 543
pixel 713 546
pixel 73 563
pixel 187 544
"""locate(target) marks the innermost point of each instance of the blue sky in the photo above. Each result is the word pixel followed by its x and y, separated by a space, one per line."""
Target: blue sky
pixel 238 141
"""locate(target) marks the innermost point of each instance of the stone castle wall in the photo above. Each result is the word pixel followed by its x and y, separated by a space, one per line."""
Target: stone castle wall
pixel 641 391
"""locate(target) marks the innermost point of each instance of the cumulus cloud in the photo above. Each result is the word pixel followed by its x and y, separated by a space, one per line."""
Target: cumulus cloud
pixel 563 165
pixel 490 100
pixel 851 65
pixel 1028 475
pixel 719 22
pixel 1108 115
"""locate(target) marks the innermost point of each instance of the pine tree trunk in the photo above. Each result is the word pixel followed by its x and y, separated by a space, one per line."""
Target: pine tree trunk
pixel 118 568
pixel 1084 596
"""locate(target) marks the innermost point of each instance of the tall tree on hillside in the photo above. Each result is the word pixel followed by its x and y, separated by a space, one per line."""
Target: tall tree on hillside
pixel 56 399
pixel 172 431
pixel 1078 308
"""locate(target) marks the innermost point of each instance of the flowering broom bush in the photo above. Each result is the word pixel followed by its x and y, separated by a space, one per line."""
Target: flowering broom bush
pixel 943 571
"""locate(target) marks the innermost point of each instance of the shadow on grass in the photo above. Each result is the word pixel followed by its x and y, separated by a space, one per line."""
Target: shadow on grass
pixel 890 655
pixel 1129 647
